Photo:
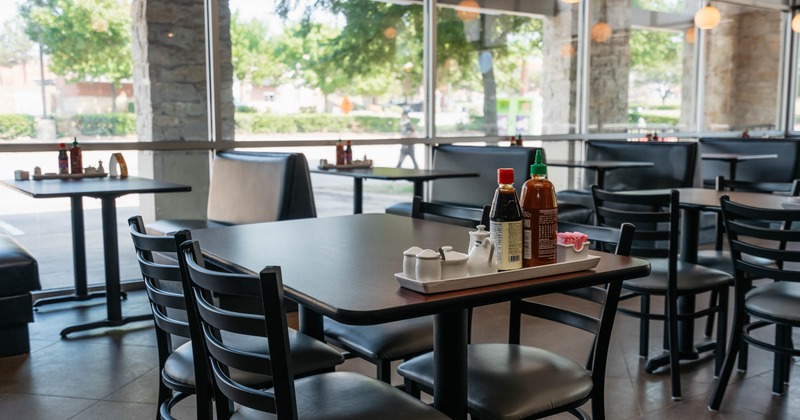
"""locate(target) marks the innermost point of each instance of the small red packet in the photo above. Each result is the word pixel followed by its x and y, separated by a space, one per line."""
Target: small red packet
pixel 576 239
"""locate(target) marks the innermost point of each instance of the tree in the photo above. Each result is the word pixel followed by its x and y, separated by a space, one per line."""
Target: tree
pixel 656 58
pixel 361 44
pixel 85 39
pixel 253 52
pixel 15 47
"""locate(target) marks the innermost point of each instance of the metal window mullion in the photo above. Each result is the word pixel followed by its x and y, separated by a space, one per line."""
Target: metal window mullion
pixel 213 72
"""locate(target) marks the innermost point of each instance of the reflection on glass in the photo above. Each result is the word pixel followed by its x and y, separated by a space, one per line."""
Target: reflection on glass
pixel 348 70
pixel 742 71
pixel 641 71
pixel 506 72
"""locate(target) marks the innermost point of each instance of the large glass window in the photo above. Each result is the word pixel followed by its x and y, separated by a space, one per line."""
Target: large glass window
pixel 506 71
pixel 641 66
pixel 743 56
pixel 342 69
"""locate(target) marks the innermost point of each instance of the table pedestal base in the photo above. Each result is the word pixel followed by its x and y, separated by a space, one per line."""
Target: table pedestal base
pixel 104 324
pixel 71 298
pixel 655 363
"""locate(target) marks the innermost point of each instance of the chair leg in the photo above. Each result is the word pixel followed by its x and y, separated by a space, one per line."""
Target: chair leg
pixel 204 402
pixel 712 302
pixel 411 388
pixel 781 361
pixel 744 349
pixel 385 371
pixel 730 357
pixel 644 326
pixel 514 323
pixel 674 352
pixel 722 330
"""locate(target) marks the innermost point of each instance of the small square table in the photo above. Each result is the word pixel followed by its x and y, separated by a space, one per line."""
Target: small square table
pixel 600 167
pixel 107 189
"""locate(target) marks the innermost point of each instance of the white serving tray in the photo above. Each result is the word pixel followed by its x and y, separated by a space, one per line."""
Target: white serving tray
pixel 448 285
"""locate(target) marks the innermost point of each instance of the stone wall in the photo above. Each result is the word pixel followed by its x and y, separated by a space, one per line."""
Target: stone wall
pixel 610 64
pixel 171 97
pixel 559 78
pixel 743 65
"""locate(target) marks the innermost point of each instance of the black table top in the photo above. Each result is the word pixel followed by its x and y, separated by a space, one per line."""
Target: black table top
pixel 108 186
pixel 736 157
pixel 343 267
pixel 396 173
pixel 708 199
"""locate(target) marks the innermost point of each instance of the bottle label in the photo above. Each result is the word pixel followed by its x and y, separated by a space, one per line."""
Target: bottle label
pixel 539 229
pixel 507 238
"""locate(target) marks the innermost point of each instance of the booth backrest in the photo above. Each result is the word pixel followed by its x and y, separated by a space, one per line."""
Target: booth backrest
pixel 785 168
pixel 485 160
pixel 675 164
pixel 252 187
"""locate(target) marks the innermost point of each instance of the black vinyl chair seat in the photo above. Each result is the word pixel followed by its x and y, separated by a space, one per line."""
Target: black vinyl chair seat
pixel 692 278
pixel 389 341
pixel 308 356
pixel 721 260
pixel 779 300
pixel 499 377
pixel 348 396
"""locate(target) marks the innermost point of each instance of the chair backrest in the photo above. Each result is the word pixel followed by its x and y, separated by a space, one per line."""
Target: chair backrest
pixel 485 160
pixel 216 322
pixel 599 321
pixel 785 168
pixel 675 164
pixel 450 213
pixel 252 187
pixel 656 217
pixel 763 234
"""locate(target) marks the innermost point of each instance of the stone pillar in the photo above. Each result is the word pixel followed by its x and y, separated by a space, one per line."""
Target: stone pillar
pixel 559 80
pixel 742 70
pixel 171 98
pixel 609 66
pixel 687 119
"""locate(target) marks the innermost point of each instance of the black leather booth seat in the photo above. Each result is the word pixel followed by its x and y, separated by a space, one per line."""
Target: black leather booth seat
pixel 784 168
pixel 676 165
pixel 19 275
pixel 473 192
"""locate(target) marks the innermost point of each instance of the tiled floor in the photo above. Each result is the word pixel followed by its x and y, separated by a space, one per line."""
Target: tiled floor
pixel 111 373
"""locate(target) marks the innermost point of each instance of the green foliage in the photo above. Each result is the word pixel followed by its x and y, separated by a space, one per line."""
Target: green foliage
pixel 246 109
pixel 17 125
pixel 105 124
pixel 314 123
pixel 252 51
pixel 633 118
pixel 85 39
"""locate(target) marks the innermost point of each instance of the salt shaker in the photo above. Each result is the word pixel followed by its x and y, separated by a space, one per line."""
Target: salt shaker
pixel 428 267
pixel 410 262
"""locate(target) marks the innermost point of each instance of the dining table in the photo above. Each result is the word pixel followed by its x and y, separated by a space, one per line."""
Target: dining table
pixel 417 176
pixel 600 167
pixel 344 268
pixel 107 189
pixel 694 201
pixel 733 160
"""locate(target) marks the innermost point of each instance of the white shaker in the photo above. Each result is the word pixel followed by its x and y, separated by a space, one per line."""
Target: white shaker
pixel 476 237
pixel 410 262
pixel 428 267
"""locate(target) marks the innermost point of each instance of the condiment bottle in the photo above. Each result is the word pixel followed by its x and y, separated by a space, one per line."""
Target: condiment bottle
pixel 505 222
pixel 348 153
pixel 339 152
pixel 75 160
pixel 63 160
pixel 539 217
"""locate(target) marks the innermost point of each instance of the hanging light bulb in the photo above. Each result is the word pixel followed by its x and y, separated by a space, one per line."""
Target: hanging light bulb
pixel 601 32
pixel 468 10
pixel 796 23
pixel 571 1
pixel 690 35
pixel 707 17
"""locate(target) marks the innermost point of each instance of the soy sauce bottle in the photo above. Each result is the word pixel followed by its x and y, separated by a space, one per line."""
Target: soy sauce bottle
pixel 540 217
pixel 505 222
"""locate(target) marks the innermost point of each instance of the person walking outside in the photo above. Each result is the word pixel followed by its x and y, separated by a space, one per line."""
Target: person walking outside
pixel 407 130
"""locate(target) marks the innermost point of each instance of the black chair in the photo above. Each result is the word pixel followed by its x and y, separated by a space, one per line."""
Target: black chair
pixel 383 344
pixel 333 395
pixel 513 381
pixel 656 217
pixel 181 373
pixel 764 234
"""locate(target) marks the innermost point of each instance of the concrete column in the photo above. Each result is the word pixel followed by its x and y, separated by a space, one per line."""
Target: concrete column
pixel 171 100
pixel 559 83
pixel 609 66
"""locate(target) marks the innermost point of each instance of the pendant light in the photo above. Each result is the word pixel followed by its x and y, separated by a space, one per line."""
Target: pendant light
pixel 468 10
pixel 601 31
pixel 796 23
pixel 707 17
